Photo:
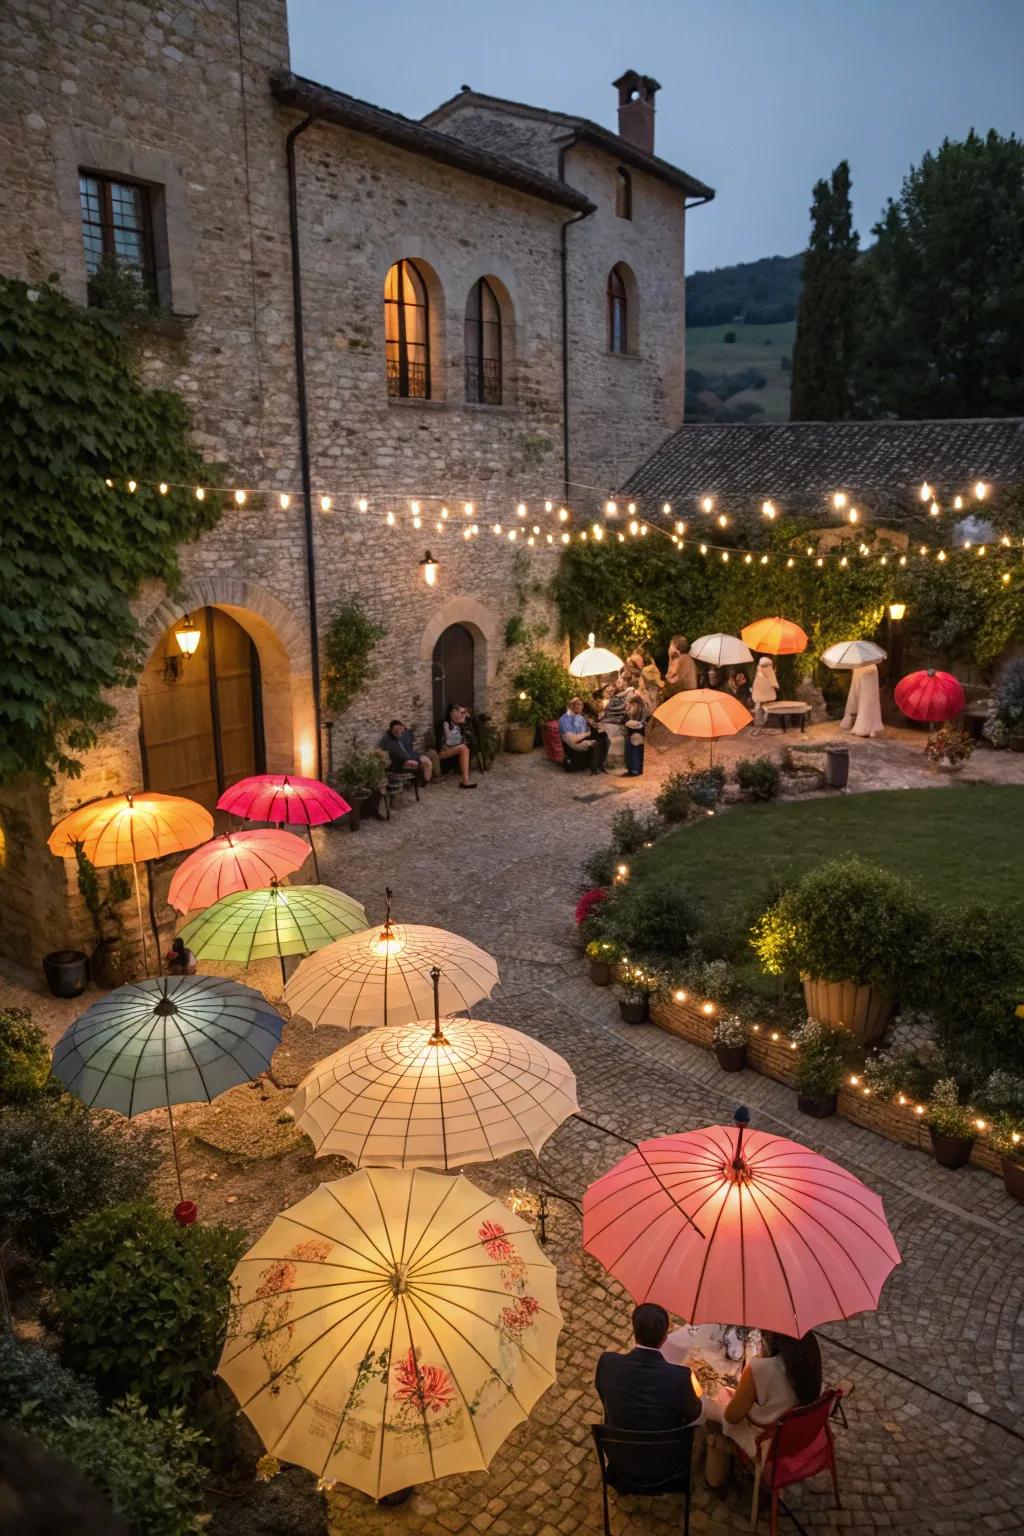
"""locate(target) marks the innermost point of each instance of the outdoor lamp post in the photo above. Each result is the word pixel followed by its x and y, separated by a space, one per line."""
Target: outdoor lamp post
pixel 896 611
pixel 428 565
pixel 188 636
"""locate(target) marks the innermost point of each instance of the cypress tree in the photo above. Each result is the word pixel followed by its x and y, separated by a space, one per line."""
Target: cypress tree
pixel 823 352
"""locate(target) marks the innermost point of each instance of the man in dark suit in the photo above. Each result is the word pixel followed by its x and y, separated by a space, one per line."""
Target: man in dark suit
pixel 642 1390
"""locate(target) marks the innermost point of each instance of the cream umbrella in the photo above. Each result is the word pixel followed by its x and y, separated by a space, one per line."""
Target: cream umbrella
pixel 595 661
pixel 852 653
pixel 391 1328
pixel 419 1097
pixel 383 976
pixel 721 651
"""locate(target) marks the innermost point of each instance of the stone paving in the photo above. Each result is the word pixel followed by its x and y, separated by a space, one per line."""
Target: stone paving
pixel 936 1420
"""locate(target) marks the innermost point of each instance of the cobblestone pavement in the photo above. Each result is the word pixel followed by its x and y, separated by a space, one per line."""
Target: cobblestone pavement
pixel 936 1420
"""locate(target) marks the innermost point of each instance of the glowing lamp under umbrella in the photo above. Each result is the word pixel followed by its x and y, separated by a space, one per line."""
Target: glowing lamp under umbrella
pixel 595 661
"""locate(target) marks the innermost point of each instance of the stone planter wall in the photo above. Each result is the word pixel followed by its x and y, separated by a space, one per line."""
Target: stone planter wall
pixel 774 1058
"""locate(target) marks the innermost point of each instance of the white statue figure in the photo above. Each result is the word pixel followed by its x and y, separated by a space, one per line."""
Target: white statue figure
pixel 765 689
pixel 863 711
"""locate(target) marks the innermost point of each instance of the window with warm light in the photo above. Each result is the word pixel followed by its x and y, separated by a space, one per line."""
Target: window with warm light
pixel 618 312
pixel 406 332
pixel 483 345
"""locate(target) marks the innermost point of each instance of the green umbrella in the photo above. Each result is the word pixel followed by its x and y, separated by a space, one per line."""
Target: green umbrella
pixel 281 920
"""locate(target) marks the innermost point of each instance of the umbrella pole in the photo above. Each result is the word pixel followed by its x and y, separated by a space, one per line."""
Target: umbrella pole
pixel 316 866
pixel 152 919
pixel 174 1145
pixel 142 926
pixel 284 973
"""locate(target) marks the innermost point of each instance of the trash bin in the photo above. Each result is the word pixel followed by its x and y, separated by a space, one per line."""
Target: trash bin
pixel 837 767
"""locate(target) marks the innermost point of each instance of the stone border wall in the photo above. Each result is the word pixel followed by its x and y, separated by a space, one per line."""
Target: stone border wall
pixel 770 1053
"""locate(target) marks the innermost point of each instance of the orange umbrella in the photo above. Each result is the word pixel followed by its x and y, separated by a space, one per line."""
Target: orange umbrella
pixel 703 712
pixel 124 829
pixel 775 637
pixel 236 861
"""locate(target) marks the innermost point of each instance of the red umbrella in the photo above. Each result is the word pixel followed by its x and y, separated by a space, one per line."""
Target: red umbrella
pixel 756 1230
pixel 931 696
pixel 236 861
pixel 282 797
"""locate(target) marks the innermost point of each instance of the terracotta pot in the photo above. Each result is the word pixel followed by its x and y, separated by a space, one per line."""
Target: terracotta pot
pixel 950 1151
pixel 110 964
pixel 1013 1178
pixel 600 973
pixel 818 1109
pixel 634 1013
pixel 864 1011
pixel 519 738
pixel 731 1058
pixel 67 972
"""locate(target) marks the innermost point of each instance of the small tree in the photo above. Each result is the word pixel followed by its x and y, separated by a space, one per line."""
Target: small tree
pixel 826 325
pixel 348 656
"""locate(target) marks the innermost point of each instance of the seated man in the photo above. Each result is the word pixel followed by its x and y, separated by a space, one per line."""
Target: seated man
pixel 642 1390
pixel 585 745
pixel 403 757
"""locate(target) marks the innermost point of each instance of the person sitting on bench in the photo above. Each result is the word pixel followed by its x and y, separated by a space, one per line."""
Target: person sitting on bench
pixel 452 742
pixel 585 745
pixel 403 757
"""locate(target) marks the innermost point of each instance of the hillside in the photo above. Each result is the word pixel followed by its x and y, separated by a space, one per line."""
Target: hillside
pixel 745 378
pixel 764 292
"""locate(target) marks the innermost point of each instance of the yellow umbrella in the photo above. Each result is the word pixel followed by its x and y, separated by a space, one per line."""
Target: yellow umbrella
pixel 391 1328
pixel 124 829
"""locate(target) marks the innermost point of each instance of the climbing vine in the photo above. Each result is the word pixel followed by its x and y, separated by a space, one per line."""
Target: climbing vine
pixel 74 551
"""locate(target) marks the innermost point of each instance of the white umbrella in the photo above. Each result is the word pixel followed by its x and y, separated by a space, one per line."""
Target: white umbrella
pixel 469 1092
pixel 721 651
pixel 595 661
pixel 852 653
pixel 391 1328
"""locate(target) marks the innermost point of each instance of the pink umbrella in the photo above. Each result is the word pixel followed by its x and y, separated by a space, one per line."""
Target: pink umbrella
pixel 930 695
pixel 235 861
pixel 761 1231
pixel 284 798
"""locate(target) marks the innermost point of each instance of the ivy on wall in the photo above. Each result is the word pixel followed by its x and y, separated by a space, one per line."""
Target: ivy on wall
pixel 73 552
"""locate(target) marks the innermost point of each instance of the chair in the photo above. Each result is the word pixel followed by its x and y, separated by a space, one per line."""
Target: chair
pixel 554 751
pixel 661 1442
pixel 797 1446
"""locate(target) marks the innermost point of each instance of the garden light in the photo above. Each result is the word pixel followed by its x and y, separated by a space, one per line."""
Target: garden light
pixel 896 611
pixel 188 636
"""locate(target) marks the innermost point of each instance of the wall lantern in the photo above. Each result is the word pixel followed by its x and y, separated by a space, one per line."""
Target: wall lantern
pixel 428 565
pixel 188 636
pixel 897 610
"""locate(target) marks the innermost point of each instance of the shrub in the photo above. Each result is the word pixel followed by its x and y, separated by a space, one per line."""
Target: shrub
pixel 59 1161
pixel 846 921
pixel 821 1055
pixel 973 986
pixel 1007 1136
pixel 673 801
pixel 903 1073
pixel 705 785
pixel 651 922
pixel 142 1304
pixel 148 1467
pixel 24 1056
pixel 548 687
pixel 639 983
pixel 36 1389
pixel 758 777
pixel 1003 1091
pixel 632 831
pixel 1010 696
pixel 600 867
pixel 945 1114
pixel 348 656
pixel 362 767
pixel 712 979
pixel 730 1031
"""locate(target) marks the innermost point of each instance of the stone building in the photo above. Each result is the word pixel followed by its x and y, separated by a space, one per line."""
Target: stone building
pixel 362 312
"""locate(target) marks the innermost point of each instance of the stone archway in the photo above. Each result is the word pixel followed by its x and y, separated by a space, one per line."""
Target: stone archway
pixel 483 625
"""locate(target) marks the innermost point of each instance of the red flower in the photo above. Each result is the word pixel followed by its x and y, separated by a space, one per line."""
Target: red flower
pixel 588 901
pixel 427 1387
pixel 492 1235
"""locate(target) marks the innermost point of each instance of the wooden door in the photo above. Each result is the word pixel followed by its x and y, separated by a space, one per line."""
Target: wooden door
pixel 453 670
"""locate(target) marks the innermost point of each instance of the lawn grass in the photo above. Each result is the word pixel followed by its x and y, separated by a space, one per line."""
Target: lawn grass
pixel 964 845
pixel 758 346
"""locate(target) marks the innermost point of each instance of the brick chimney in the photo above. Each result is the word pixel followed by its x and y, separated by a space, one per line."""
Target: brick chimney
pixel 636 109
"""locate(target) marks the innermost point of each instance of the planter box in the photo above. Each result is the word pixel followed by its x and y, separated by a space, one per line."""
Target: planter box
pixel 861 1010
pixel 818 1109
pixel 731 1058
pixel 634 1013
pixel 520 738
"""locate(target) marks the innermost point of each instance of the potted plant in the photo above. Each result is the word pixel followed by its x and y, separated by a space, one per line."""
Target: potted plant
pixel 950 1125
pixel 362 776
pixel 730 1043
pixel 638 986
pixel 587 914
pixel 110 963
pixel 1008 1139
pixel 853 932
pixel 821 1053
pixel 949 749
pixel 602 955
pixel 542 688
pixel 521 730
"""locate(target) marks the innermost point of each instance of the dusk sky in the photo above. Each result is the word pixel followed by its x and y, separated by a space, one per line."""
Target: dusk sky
pixel 758 99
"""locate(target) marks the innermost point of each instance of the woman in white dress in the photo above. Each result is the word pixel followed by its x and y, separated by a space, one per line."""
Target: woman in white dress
pixel 765 689
pixel 789 1376
pixel 863 708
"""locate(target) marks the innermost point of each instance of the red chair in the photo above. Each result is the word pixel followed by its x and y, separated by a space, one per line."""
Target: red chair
pixel 552 738
pixel 797 1446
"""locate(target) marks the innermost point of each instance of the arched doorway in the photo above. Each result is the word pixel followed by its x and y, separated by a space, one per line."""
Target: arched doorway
pixel 202 717
pixel 453 667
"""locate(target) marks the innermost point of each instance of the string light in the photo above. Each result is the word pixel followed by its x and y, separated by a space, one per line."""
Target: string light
pixel 325 503
pixel 958 503
pixel 708 504
pixel 854 515
pixel 839 500
pixel 285 501
pixel 933 510
pixel 723 521
pixel 563 516
pixel 163 487
pixel 981 490
pixel 444 514
pixel 239 495
pixel 768 509
pixel 521 509
pixel 631 507
pixel 666 507
pixel 132 484
pixel 363 504
pixel 634 528
pixel 200 493
pixel 549 507
pixel 611 509
pixel 926 492
pixel 390 519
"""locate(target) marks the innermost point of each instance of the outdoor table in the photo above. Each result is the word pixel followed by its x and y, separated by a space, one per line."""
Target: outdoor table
pixel 703 1349
pixel 788 711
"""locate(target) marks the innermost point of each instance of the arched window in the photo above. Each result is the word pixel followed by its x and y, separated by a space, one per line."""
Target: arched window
pixel 406 332
pixel 623 194
pixel 483 345
pixel 618 313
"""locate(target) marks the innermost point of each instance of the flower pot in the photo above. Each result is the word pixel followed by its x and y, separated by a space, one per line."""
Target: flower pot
pixel 110 964
pixel 864 1011
pixel 731 1058
pixel 67 972
pixel 634 1013
pixel 519 738
pixel 1013 1178
pixel 818 1109
pixel 600 973
pixel 358 800
pixel 950 1151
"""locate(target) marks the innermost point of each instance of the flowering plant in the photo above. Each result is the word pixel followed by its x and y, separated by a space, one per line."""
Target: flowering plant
pixel 946 1114
pixel 730 1031
pixel 949 745
pixel 588 902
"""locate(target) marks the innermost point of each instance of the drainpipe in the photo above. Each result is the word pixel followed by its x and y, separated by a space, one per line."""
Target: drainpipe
pixel 303 410
pixel 562 152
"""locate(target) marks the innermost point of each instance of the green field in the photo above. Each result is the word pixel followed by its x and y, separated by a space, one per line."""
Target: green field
pixel 756 346
pixel 962 843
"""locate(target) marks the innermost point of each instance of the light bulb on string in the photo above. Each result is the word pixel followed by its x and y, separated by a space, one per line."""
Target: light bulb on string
pixel 981 490
pixel 666 508
pixel 611 509
pixel 631 508
pixel 390 519
pixel 958 503
pixel 768 510
pixel 363 504
pixel 133 485
pixel 703 549
pixel 200 493
pixel 521 509
pixel 239 495
pixel 723 521
pixel 497 528
pixel 933 510
pixel 643 530
pixel 839 500
pixel 163 487
pixel 708 504
pixel 549 506
pixel 444 514
pixel 325 503
pixel 467 509
pixel 764 559
pixel 853 515
pixel 633 527
pixel 926 491
pixel 680 527
pixel 563 516
pixel 565 538
pixel 285 501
